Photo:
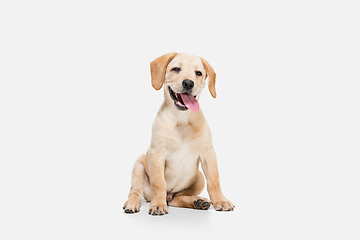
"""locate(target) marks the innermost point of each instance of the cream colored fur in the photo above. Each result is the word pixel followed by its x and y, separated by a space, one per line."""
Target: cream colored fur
pixel 168 174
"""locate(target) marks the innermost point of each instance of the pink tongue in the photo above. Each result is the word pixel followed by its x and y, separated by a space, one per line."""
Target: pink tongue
pixel 190 102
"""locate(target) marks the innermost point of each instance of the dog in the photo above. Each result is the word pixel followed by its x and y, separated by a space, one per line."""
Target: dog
pixel 168 174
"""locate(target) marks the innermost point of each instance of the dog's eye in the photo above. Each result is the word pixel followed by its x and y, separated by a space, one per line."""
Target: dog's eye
pixel 175 69
pixel 198 73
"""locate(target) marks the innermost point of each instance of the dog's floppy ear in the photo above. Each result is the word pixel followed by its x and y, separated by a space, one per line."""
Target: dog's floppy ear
pixel 211 75
pixel 158 68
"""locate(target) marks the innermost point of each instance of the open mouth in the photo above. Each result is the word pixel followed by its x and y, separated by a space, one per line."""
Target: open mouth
pixel 184 101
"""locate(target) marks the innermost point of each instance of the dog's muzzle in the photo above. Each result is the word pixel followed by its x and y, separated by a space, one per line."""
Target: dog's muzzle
pixel 184 101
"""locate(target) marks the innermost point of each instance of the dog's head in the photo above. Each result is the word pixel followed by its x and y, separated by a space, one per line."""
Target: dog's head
pixel 183 76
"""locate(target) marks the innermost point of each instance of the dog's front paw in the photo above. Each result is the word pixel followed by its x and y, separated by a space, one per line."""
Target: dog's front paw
pixel 131 206
pixel 158 208
pixel 223 205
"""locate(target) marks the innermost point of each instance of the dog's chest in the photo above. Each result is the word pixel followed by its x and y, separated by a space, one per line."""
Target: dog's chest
pixel 181 160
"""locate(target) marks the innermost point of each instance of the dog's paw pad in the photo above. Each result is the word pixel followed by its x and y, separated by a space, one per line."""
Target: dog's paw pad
pixel 202 204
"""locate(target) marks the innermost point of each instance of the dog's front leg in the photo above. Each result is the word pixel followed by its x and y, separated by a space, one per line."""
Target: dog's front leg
pixel 209 166
pixel 156 165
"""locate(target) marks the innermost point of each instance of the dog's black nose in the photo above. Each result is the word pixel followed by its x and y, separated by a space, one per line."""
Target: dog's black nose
pixel 188 84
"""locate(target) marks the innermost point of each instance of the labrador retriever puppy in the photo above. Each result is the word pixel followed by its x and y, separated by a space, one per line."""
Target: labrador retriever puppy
pixel 168 174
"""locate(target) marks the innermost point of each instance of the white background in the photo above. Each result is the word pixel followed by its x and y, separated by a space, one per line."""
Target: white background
pixel 76 108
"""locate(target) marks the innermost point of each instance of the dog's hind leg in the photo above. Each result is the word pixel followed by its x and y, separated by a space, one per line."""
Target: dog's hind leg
pixel 189 198
pixel 132 205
